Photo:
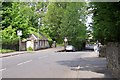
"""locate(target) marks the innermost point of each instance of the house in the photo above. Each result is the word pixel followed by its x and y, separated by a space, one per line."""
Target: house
pixel 35 42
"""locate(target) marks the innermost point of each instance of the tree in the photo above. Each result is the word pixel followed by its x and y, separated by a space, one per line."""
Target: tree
pixel 18 16
pixel 106 21
pixel 66 20
pixel 57 20
pixel 58 15
pixel 73 24
pixel 52 20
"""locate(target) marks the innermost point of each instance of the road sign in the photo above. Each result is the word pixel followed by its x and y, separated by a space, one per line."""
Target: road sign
pixel 65 39
pixel 19 32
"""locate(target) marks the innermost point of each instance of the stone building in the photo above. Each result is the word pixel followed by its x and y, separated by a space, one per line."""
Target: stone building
pixel 35 42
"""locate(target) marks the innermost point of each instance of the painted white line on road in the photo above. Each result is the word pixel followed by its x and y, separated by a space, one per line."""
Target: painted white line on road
pixel 2 69
pixel 24 62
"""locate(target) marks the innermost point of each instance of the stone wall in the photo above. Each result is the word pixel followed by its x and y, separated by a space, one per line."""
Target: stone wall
pixel 113 58
pixel 102 51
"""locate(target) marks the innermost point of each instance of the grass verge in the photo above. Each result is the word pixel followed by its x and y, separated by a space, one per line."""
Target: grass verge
pixel 3 51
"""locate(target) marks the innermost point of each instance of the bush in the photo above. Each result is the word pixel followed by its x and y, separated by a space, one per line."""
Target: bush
pixel 29 49
pixel 12 44
pixel 6 51
pixel 79 44
pixel 50 43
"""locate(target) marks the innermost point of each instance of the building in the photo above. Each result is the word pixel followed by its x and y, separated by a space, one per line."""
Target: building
pixel 35 42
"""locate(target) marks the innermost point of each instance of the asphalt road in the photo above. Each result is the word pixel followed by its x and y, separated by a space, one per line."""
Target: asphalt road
pixel 52 64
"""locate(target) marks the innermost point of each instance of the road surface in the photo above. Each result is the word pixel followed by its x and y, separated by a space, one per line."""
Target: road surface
pixel 51 64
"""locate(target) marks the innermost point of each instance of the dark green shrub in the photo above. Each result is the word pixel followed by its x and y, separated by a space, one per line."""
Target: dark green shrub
pixel 12 44
pixel 50 43
pixel 79 44
pixel 29 49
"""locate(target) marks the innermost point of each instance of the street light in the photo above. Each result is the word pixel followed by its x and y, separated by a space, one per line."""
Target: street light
pixel 19 33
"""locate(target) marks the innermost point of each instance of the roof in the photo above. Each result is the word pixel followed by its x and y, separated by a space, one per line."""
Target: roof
pixel 37 37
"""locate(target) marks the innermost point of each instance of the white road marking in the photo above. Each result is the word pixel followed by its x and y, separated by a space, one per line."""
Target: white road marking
pixel 2 69
pixel 24 62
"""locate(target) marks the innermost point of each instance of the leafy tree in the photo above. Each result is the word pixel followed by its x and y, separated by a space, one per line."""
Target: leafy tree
pixel 66 20
pixel 57 20
pixel 9 33
pixel 18 16
pixel 73 24
pixel 52 20
pixel 106 21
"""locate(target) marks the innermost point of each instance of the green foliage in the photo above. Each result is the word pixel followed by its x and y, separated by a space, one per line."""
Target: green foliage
pixel 9 33
pixel 3 51
pixel 66 20
pixel 52 20
pixel 106 21
pixel 10 44
pixel 18 15
pixel 57 20
pixel 73 28
pixel 50 43
pixel 29 49
pixel 79 43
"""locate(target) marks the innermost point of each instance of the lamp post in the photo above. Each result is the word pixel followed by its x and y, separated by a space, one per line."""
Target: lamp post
pixel 19 33
pixel 65 42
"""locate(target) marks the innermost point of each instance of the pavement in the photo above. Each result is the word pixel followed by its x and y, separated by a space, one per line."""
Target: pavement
pixel 12 53
pixel 24 52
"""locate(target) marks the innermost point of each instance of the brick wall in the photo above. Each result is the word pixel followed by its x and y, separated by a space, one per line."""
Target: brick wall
pixel 113 58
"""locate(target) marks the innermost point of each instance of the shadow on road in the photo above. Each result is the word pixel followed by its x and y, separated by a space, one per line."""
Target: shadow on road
pixel 93 64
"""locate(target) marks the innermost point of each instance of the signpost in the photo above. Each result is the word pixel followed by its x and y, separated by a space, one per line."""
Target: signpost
pixel 19 33
pixel 65 42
